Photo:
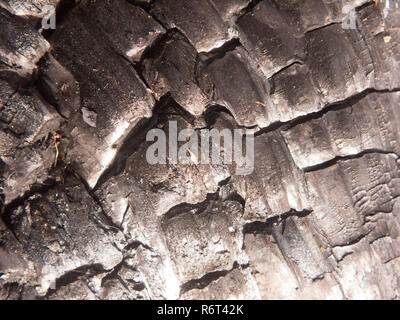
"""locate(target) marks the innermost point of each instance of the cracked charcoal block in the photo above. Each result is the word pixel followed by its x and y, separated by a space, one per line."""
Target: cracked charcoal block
pixel 199 20
pixel 138 32
pixel 339 61
pixel 35 8
pixel 345 194
pixel 57 231
pixel 59 87
pixel 200 242
pixel 383 44
pixel 295 93
pixel 341 11
pixel 120 103
pixel 28 117
pixel 25 121
pixel 372 123
pixel 21 47
pixel 276 186
pixel 305 15
pixel 246 96
pixel 269 39
pixel 373 258
pixel 25 167
pixel 171 70
pixel 295 239
pixel 362 276
pixel 158 271
pixel 384 239
pixel 276 279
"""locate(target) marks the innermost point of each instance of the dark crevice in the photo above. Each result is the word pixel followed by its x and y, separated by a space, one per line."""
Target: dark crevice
pixel 257 227
pixel 339 105
pixel 142 4
pixel 299 63
pixel 273 227
pixel 217 53
pixel 204 59
pixel 380 237
pixel 214 111
pixel 353 241
pixel 391 259
pixel 206 279
pixel 250 7
pixel 187 207
pixel 335 160
pixel 344 256
pixel 45 96
pixel 204 205
pixel 322 27
pixel 129 146
pixel 113 274
pixel 225 182
pixel 237 198
pixel 266 227
pixel 365 5
pixel 72 276
pixel 133 245
pixel 128 207
pixel 10 228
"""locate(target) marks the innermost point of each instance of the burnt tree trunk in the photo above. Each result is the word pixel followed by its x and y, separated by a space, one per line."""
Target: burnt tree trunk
pixel 85 216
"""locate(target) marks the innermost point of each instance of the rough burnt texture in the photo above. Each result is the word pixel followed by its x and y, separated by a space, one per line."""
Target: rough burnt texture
pixel 85 216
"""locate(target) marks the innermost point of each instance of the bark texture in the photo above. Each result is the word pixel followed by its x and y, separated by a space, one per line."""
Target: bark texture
pixel 83 214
